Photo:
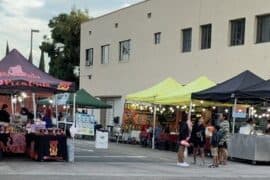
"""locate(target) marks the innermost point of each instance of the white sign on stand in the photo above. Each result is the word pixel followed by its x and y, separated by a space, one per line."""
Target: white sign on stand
pixel 85 124
pixel 102 140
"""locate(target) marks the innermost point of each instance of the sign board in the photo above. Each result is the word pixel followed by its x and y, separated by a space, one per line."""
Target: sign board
pixel 61 99
pixel 101 140
pixel 240 112
pixel 85 124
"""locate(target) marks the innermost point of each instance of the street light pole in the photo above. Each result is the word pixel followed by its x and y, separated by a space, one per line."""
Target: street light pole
pixel 31 44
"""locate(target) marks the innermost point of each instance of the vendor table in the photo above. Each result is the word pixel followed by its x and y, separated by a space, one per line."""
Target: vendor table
pixel 250 147
pixel 46 147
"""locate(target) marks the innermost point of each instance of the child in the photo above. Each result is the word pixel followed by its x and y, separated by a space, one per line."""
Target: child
pixel 214 146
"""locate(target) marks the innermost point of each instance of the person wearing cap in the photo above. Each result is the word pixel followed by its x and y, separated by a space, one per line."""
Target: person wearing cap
pixel 4 115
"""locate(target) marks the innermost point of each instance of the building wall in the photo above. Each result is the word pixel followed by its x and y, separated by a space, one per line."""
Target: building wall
pixel 150 63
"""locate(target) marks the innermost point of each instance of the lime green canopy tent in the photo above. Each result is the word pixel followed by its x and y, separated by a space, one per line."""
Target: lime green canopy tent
pixel 183 95
pixel 83 99
pixel 149 95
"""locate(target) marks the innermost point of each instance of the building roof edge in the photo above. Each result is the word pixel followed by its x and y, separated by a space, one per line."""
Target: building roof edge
pixel 115 11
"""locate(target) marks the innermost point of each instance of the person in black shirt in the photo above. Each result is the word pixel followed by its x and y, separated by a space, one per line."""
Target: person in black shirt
pixel 4 115
pixel 183 142
pixel 198 139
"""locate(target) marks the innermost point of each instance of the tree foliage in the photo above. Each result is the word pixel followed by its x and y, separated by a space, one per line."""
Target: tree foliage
pixel 42 62
pixel 7 49
pixel 63 48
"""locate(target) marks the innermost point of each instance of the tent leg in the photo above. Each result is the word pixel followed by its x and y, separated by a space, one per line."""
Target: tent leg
pixel 249 112
pixel 34 105
pixel 189 116
pixel 74 119
pixel 12 108
pixel 74 109
pixel 56 110
pixel 234 111
pixel 154 126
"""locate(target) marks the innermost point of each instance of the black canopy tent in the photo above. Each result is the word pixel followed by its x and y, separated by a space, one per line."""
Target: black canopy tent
pixel 231 90
pixel 261 90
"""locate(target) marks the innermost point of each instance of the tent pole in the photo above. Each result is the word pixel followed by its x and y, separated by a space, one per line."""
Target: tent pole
pixel 189 116
pixel 56 110
pixel 249 112
pixel 74 109
pixel 154 126
pixel 34 105
pixel 15 104
pixel 234 111
pixel 74 120
pixel 190 110
pixel 12 108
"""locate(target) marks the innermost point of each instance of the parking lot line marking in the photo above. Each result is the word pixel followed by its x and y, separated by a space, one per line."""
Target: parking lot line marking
pixel 84 149
pixel 80 156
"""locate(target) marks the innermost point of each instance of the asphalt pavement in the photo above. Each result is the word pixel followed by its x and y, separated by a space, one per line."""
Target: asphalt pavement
pixel 123 161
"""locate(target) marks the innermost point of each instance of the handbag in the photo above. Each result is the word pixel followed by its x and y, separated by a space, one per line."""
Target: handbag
pixel 185 143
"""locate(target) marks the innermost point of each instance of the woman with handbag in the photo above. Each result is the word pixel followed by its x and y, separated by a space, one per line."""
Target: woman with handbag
pixel 183 142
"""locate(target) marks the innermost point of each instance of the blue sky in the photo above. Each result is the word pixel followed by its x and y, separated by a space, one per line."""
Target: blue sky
pixel 19 16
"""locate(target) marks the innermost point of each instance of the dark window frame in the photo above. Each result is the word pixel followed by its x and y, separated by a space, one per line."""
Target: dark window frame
pixel 238 28
pixel 121 59
pixel 102 54
pixel 157 38
pixel 206 36
pixel 88 61
pixel 259 34
pixel 186 40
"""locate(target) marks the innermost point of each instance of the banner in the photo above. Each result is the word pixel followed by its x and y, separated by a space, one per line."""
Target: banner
pixel 240 112
pixel 85 124
pixel 61 99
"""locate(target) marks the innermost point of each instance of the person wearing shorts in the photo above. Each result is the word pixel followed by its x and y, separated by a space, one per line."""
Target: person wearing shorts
pixel 198 140
pixel 183 142
pixel 214 147
pixel 223 148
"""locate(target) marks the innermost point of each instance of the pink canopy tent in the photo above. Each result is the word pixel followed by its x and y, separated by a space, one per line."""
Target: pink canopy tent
pixel 18 74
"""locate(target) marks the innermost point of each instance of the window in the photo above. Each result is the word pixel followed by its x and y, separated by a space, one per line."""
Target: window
pixel 149 15
pixel 237 32
pixel 157 37
pixel 206 32
pixel 124 50
pixel 105 54
pixel 89 57
pixel 187 36
pixel 116 25
pixel 263 28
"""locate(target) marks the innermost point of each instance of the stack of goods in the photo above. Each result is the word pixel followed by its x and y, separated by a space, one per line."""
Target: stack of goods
pixel 12 140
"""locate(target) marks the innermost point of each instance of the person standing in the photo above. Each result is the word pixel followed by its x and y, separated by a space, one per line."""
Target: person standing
pixel 214 147
pixel 183 142
pixel 4 115
pixel 48 118
pixel 198 140
pixel 223 148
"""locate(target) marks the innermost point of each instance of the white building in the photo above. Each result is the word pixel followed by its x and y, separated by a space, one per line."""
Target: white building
pixel 138 46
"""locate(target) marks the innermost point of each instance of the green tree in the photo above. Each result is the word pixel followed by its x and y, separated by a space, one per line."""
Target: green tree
pixel 42 62
pixel 7 49
pixel 63 48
